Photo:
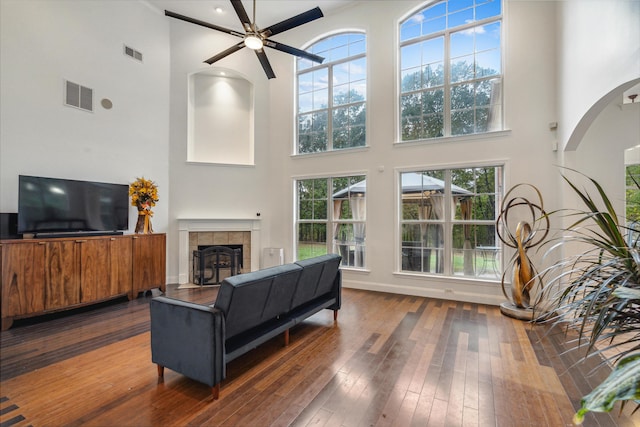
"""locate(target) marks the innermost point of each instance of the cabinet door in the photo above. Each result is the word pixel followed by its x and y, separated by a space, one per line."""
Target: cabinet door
pixel 121 265
pixel 62 276
pixel 22 278
pixel 149 262
pixel 95 283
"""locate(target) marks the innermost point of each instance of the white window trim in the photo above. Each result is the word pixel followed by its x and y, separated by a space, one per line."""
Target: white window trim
pixel 397 253
pixel 330 219
pixel 447 107
pixel 296 72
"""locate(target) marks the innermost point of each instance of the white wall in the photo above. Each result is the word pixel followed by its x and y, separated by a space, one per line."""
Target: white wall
pixel 42 43
pixel 611 133
pixel 526 149
pixel 214 190
pixel 599 51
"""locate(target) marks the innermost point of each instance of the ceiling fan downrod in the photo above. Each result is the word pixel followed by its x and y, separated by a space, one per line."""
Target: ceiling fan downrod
pixel 253 40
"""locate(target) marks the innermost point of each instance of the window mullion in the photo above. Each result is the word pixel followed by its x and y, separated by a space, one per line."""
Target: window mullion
pixel 447 85
pixel 331 221
pixel 330 109
pixel 447 250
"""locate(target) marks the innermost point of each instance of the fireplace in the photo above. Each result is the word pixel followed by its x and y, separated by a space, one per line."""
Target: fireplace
pixel 212 264
pixel 217 232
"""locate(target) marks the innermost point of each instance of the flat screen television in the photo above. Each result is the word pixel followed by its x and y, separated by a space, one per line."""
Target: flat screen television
pixel 54 206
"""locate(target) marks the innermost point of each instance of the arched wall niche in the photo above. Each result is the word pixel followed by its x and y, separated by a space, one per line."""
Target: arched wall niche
pixel 220 118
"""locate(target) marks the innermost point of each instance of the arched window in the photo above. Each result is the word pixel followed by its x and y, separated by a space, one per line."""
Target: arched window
pixel 451 70
pixel 332 95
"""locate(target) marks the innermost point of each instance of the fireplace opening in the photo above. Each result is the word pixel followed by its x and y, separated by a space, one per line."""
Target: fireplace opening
pixel 212 264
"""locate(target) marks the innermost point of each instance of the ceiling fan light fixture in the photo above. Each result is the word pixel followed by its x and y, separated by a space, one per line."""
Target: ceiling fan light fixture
pixel 253 42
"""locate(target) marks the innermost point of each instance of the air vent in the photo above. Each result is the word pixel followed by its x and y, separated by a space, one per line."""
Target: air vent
pixel 78 96
pixel 129 51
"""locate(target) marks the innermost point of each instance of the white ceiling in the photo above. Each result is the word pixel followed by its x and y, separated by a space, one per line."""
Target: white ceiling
pixel 268 12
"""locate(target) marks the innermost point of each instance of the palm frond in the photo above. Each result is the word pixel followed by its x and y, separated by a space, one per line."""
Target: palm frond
pixel 597 294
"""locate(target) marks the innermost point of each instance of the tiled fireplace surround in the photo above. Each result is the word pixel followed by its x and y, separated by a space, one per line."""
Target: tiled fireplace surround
pixel 194 232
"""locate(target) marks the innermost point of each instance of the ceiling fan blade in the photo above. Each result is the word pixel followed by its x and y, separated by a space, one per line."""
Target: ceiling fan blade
pixel 225 53
pixel 293 51
pixel 287 24
pixel 266 66
pixel 202 23
pixel 242 14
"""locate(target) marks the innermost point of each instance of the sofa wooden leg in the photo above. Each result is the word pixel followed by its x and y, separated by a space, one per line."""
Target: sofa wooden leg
pixel 286 338
pixel 335 315
pixel 215 391
pixel 161 371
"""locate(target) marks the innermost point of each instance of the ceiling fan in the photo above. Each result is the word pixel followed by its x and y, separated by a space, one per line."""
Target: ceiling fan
pixel 255 38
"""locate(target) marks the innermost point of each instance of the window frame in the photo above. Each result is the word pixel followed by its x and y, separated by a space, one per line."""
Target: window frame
pixel 447 84
pixel 331 108
pixel 448 222
pixel 331 245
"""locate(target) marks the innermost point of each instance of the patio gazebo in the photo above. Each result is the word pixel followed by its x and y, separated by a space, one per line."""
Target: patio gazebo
pixel 427 193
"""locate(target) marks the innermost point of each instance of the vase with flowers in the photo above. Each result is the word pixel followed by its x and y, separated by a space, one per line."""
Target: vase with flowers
pixel 144 195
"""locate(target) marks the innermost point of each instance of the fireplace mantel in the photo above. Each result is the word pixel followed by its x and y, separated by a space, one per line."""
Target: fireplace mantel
pixel 188 225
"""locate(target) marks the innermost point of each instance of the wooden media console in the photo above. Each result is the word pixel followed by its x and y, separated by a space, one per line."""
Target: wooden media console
pixel 40 276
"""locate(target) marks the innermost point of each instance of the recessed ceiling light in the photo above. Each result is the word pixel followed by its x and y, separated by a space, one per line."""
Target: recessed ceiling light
pixel 218 9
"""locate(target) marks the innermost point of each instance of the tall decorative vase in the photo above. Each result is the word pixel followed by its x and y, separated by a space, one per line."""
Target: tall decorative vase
pixel 144 195
pixel 143 225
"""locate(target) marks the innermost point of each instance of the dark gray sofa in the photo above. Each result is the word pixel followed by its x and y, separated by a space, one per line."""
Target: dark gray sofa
pixel 199 340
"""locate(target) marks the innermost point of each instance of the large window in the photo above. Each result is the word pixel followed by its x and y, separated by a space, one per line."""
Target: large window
pixel 450 70
pixel 331 218
pixel 332 95
pixel 447 223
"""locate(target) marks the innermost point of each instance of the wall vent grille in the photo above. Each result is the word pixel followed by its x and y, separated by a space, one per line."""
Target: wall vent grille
pixel 131 52
pixel 78 96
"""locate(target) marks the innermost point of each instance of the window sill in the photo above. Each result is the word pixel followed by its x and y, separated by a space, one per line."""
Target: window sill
pixel 331 153
pixel 445 279
pixel 201 163
pixel 359 270
pixel 449 139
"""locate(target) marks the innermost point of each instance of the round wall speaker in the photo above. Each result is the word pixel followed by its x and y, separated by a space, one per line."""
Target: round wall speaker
pixel 106 104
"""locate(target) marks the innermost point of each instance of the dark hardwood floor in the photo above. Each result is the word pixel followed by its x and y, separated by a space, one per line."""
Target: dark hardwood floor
pixel 390 360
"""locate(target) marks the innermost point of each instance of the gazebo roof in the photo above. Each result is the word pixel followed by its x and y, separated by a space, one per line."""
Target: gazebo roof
pixel 413 185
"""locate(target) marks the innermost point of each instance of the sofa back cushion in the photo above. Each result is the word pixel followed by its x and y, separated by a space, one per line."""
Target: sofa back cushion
pixel 317 278
pixel 247 300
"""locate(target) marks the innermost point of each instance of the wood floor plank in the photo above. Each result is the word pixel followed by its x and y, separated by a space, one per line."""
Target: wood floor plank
pixel 390 360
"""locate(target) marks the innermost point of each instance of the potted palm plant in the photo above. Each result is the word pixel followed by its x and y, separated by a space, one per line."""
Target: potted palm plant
pixel 596 293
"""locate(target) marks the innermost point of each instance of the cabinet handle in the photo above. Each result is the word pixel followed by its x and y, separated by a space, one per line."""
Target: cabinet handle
pixel 135 237
pixel 80 241
pixel 42 243
pixel 112 239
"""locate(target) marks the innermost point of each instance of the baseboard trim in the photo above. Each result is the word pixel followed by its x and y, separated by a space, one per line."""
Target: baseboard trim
pixel 448 294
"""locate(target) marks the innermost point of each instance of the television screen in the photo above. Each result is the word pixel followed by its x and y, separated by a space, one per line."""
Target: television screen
pixel 53 205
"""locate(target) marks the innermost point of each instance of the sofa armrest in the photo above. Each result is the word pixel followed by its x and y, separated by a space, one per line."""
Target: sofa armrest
pixel 337 291
pixel 188 338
